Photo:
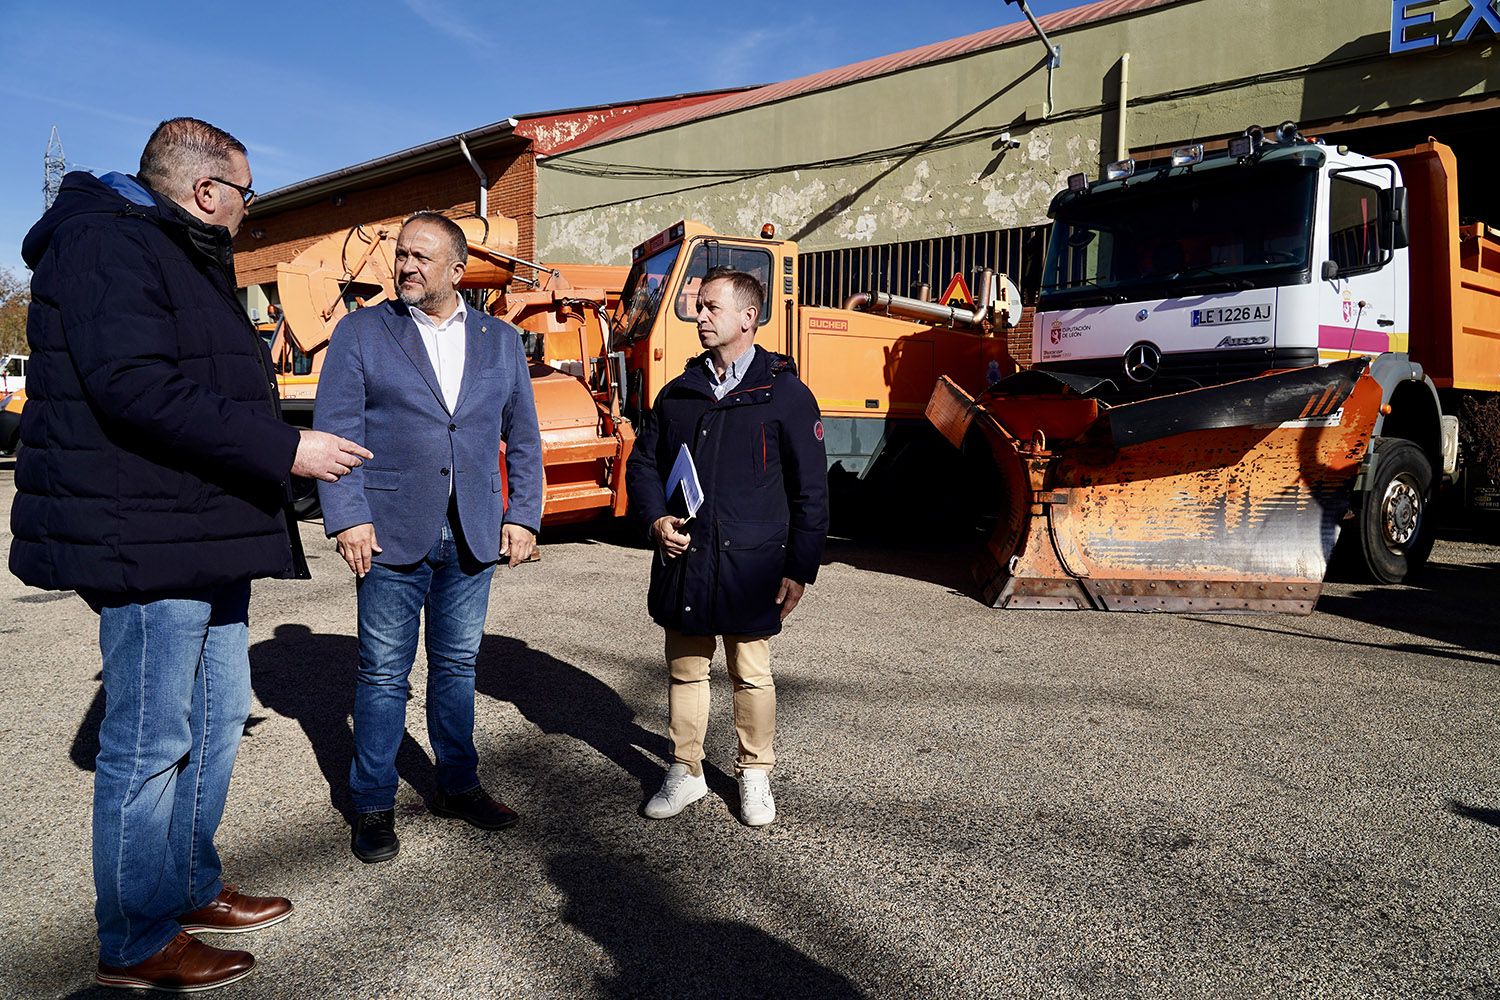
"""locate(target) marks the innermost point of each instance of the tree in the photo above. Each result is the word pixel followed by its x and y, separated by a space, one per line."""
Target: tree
pixel 15 297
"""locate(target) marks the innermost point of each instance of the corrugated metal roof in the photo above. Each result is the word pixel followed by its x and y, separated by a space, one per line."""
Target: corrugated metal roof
pixel 883 65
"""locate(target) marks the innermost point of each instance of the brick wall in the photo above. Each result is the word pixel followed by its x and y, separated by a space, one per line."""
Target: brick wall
pixel 1019 338
pixel 450 189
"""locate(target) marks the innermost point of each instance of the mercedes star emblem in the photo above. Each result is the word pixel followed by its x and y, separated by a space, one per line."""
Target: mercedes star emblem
pixel 1142 361
pixel 1140 317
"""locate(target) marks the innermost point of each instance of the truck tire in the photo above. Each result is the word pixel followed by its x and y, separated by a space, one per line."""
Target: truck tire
pixel 1395 526
pixel 305 499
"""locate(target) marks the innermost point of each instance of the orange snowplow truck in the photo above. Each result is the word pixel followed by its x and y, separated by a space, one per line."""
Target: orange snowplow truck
pixel 604 340
pixel 1242 356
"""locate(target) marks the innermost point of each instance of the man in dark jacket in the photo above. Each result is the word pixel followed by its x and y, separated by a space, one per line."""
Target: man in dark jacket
pixel 739 565
pixel 153 482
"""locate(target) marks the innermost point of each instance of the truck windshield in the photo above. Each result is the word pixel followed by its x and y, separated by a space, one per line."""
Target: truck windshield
pixel 641 298
pixel 1165 237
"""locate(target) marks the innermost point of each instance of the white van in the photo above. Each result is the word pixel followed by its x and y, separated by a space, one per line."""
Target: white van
pixel 12 373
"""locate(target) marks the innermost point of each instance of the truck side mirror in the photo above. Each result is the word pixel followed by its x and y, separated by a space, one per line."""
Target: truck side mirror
pixel 1395 229
pixel 1330 270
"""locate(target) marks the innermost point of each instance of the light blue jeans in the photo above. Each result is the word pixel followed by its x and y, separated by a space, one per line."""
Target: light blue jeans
pixel 455 592
pixel 177 693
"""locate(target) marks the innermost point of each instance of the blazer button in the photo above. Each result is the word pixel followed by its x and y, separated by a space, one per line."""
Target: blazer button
pixel 452 427
pixel 687 607
pixel 444 471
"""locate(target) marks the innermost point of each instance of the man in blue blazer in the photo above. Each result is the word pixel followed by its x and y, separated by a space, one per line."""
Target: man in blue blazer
pixel 432 388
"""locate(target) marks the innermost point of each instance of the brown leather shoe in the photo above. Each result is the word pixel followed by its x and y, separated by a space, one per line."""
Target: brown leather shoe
pixel 185 965
pixel 231 912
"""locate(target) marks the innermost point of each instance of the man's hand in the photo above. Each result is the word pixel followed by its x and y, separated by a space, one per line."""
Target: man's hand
pixel 669 541
pixel 325 456
pixel 788 596
pixel 358 547
pixel 517 542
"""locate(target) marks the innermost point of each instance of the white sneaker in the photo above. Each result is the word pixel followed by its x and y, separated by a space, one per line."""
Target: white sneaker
pixel 757 808
pixel 680 790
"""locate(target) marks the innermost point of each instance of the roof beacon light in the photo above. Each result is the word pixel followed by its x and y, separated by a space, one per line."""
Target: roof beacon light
pixel 1186 156
pixel 1077 182
pixel 1119 170
pixel 768 231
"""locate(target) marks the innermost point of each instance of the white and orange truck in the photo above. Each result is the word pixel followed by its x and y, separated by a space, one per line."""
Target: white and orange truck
pixel 1241 356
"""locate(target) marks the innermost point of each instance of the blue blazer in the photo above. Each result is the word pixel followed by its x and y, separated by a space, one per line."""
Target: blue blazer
pixel 378 387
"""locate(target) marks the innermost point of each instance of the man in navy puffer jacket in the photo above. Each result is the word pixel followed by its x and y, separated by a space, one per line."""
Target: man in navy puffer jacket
pixel 740 565
pixel 152 480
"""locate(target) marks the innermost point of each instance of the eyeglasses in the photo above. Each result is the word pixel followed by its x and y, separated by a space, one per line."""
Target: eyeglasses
pixel 246 193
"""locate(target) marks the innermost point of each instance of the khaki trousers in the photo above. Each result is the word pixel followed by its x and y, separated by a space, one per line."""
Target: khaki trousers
pixel 749 659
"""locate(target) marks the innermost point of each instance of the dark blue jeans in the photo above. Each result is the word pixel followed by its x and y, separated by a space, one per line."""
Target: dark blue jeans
pixel 177 692
pixel 456 595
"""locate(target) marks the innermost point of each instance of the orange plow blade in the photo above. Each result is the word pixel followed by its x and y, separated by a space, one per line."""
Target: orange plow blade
pixel 1219 499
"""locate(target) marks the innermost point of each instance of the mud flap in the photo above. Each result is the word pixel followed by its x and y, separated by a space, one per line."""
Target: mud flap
pixel 1219 499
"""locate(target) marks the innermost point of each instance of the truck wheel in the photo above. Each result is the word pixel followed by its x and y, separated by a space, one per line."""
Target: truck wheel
pixel 305 499
pixel 1395 529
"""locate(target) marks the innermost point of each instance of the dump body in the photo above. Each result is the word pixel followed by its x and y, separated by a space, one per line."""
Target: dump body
pixel 1454 273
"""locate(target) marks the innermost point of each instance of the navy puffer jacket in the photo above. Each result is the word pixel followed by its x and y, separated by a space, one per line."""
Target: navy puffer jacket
pixel 152 457
pixel 760 459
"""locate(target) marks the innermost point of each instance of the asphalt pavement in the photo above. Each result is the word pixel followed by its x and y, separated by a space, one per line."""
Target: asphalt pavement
pixel 971 803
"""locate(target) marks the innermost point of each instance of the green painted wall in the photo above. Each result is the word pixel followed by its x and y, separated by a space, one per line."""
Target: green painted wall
pixel 917 154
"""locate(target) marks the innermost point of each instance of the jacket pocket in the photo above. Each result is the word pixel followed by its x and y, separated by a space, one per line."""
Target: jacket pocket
pixel 664 594
pixel 752 559
pixel 382 479
pixel 765 455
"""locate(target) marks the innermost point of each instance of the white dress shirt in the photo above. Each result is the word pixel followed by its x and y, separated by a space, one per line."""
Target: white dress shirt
pixel 737 368
pixel 445 348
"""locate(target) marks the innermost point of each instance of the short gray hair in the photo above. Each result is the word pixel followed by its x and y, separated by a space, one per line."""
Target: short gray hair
pixel 458 243
pixel 181 150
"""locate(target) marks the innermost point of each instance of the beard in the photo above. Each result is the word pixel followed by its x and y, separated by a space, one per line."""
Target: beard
pixel 424 300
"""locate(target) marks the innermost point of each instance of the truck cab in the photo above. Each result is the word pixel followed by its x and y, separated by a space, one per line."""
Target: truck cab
pixel 1214 268
pixel 658 318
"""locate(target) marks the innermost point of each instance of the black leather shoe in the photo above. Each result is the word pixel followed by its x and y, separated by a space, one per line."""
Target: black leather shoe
pixel 475 808
pixel 375 837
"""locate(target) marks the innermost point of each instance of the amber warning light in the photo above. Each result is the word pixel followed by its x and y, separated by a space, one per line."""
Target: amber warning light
pixel 768 231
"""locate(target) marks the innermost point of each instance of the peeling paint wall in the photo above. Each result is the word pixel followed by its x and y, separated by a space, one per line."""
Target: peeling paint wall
pixel 919 154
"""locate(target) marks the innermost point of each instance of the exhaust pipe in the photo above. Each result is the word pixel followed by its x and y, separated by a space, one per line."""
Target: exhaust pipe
pixel 907 308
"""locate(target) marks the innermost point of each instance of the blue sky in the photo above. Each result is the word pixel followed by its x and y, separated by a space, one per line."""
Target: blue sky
pixel 313 86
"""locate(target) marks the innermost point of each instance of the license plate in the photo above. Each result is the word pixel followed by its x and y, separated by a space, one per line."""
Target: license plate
pixel 1259 312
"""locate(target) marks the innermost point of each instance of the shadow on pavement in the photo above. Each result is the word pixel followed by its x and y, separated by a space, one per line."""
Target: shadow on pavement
pixel 1480 814
pixel 658 950
pixel 1441 603
pixel 943 562
pixel 562 699
pixel 309 677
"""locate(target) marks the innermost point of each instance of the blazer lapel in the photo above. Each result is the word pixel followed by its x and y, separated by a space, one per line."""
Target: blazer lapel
pixel 404 329
pixel 476 330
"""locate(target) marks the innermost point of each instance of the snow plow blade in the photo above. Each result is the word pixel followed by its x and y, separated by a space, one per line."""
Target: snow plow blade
pixel 1220 499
